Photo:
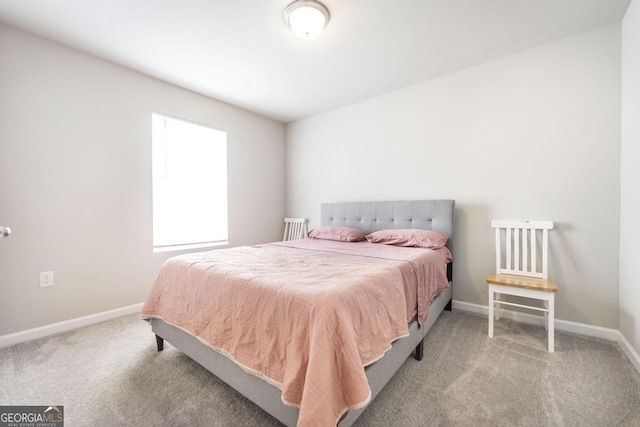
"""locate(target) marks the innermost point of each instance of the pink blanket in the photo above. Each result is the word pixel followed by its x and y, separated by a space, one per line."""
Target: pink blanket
pixel 301 315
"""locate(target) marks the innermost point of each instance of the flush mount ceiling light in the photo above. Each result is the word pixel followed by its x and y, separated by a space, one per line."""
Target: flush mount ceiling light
pixel 306 18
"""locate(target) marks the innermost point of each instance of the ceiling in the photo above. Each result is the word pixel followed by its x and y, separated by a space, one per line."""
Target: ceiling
pixel 242 52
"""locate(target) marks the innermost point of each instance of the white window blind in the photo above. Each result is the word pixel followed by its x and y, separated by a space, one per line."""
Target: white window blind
pixel 189 184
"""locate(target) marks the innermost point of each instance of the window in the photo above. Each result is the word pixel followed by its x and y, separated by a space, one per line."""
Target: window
pixel 189 163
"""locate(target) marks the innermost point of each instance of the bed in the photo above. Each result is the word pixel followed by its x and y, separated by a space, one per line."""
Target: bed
pixel 269 393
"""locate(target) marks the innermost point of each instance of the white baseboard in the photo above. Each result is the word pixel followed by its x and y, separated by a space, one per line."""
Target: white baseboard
pixel 561 325
pixel 67 325
pixel 628 349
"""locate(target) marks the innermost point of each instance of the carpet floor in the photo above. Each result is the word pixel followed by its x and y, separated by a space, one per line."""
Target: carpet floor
pixel 110 374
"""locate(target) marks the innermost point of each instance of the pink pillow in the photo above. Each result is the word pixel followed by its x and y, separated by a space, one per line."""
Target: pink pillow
pixel 342 234
pixel 409 237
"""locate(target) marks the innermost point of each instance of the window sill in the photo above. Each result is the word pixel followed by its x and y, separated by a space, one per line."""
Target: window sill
pixel 190 246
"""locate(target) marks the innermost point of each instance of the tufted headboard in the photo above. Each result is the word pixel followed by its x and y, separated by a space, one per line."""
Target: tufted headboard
pixel 437 215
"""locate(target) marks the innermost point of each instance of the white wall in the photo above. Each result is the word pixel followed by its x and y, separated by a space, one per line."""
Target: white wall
pixel 75 179
pixel 535 135
pixel 630 178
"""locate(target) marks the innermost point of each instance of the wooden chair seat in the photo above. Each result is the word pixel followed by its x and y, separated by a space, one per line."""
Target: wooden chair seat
pixel 523 282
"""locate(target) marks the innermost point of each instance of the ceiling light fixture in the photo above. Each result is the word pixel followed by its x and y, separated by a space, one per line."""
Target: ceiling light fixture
pixel 306 18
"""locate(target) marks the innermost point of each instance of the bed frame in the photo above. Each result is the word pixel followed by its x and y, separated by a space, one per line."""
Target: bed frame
pixel 437 215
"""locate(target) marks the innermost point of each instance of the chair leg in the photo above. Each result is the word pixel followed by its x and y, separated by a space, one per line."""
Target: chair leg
pixel 551 322
pixel 546 315
pixel 497 297
pixel 490 311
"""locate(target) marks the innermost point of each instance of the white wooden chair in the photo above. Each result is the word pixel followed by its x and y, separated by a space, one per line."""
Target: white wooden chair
pixel 525 271
pixel 295 228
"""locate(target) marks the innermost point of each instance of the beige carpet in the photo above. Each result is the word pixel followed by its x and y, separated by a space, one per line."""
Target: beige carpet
pixel 110 374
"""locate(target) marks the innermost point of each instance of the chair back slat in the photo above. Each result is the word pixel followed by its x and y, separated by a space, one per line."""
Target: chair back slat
pixel 508 249
pixel 295 228
pixel 498 250
pixel 525 250
pixel 545 259
pixel 517 247
pixel 534 252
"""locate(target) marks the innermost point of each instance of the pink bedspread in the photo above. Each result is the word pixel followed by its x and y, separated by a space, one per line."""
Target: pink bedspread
pixel 302 315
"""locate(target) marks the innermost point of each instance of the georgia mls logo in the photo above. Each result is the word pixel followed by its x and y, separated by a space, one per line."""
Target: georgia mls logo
pixel 31 416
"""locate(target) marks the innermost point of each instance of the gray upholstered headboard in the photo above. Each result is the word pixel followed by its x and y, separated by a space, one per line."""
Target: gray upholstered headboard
pixel 437 215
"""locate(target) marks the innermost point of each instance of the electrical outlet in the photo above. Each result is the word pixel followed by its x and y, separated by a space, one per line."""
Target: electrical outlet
pixel 46 279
